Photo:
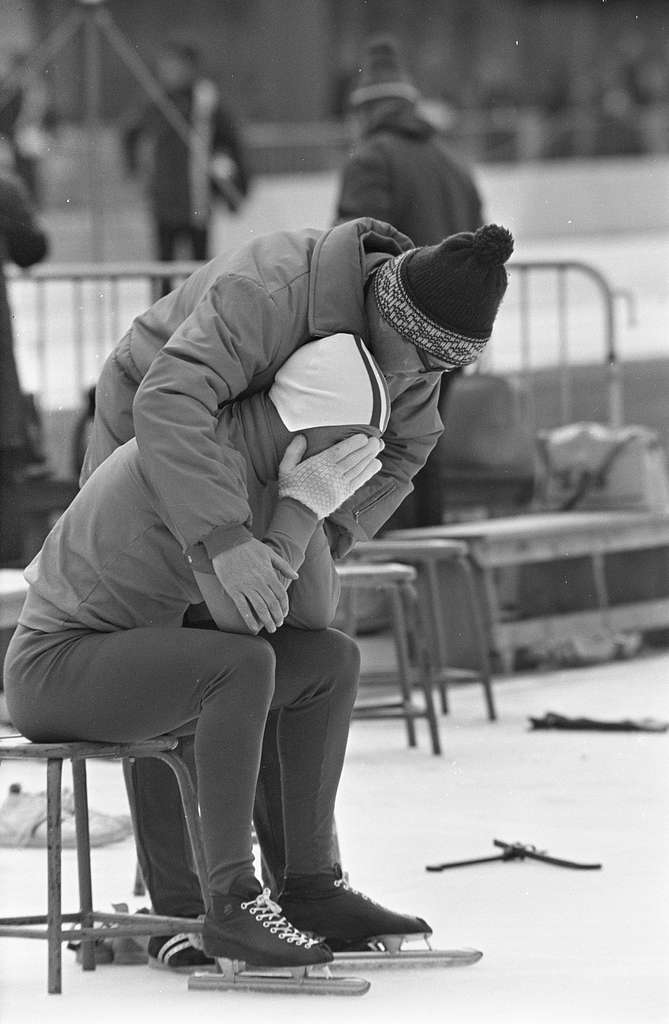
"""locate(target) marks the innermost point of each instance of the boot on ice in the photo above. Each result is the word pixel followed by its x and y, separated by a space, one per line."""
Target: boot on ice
pixel 326 906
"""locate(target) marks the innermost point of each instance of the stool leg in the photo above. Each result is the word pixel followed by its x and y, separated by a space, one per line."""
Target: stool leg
pixel 139 887
pixel 192 816
pixel 480 635
pixel 438 627
pixel 54 771
pixel 400 633
pixel 83 859
pixel 425 663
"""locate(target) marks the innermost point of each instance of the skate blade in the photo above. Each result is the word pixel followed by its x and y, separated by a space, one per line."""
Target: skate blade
pixel 314 981
pixel 406 958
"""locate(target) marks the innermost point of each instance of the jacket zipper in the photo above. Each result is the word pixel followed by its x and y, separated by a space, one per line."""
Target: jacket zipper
pixel 374 500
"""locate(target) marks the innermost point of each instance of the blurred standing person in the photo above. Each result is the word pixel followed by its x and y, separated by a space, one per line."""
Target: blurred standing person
pixel 183 179
pixel 401 171
pixel 27 119
pixel 22 241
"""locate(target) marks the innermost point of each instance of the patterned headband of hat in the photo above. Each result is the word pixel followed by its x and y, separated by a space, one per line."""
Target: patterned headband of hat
pixel 444 298
pixel 412 323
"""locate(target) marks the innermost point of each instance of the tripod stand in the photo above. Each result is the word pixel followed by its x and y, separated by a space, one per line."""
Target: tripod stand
pixel 95 21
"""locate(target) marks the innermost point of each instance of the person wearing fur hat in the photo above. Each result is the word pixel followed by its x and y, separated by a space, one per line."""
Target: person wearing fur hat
pixel 224 334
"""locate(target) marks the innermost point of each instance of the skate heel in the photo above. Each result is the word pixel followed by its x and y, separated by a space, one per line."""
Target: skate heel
pixel 394 944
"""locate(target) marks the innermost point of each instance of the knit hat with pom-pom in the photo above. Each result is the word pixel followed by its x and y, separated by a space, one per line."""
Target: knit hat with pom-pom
pixel 444 298
pixel 381 75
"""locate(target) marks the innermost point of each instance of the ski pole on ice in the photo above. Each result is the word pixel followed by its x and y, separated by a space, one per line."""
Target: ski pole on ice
pixel 516 851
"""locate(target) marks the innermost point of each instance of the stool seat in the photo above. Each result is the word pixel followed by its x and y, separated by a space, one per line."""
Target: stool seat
pixel 88 925
pixel 440 550
pixel 17 747
pixel 361 575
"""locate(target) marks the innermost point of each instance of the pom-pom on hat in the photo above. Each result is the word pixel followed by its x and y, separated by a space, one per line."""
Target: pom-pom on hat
pixel 444 298
pixel 382 75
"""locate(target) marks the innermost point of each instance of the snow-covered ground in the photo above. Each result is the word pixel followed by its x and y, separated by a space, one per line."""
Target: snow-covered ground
pixel 560 946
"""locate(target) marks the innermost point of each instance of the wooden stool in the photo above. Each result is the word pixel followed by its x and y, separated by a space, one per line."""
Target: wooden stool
pixel 398 582
pixel 428 556
pixel 92 924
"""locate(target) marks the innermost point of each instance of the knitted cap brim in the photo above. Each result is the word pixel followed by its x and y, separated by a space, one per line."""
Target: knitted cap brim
pixel 450 347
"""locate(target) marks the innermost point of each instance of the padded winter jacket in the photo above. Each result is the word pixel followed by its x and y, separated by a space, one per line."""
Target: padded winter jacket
pixel 222 335
pixel 403 172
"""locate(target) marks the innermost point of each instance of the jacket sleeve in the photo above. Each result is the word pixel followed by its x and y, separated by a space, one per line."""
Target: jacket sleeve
pixel 413 430
pixel 26 242
pixel 230 336
pixel 297 535
pixel 366 187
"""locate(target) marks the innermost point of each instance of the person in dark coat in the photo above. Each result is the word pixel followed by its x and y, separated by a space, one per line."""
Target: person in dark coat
pixel 184 180
pixel 401 171
pixel 22 241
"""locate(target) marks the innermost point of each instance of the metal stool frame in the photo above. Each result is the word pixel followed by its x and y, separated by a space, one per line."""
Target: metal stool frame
pixel 427 556
pixel 87 924
pixel 398 581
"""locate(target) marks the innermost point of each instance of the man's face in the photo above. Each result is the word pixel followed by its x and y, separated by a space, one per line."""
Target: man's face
pixel 395 356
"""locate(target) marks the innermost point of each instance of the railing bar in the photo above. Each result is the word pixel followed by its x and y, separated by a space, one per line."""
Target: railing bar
pixel 563 346
pixel 115 317
pixel 40 339
pixel 101 302
pixel 525 342
pixel 78 310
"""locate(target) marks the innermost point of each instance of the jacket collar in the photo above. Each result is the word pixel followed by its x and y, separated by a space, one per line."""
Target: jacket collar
pixel 343 259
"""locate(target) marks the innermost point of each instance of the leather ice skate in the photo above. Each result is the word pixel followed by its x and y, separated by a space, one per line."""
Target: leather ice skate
pixel 360 931
pixel 257 948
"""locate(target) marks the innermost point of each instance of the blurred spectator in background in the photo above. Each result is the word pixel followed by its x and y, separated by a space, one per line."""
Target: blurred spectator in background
pixel 184 179
pixel 23 242
pixel 401 171
pixel 27 120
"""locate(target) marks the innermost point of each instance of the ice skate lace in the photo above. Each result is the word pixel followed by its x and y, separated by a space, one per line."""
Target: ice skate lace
pixel 341 883
pixel 268 913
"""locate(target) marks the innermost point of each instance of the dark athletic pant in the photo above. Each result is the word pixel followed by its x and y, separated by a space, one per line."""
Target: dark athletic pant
pixel 135 684
pixel 169 236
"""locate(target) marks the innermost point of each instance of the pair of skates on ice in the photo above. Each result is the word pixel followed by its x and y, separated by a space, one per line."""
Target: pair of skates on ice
pixel 321 925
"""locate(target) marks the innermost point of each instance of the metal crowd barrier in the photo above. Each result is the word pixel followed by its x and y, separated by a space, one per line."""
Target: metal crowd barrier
pixel 561 314
pixel 68 317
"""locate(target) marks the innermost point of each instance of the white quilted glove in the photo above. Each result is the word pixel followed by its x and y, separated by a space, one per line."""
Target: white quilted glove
pixel 324 481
